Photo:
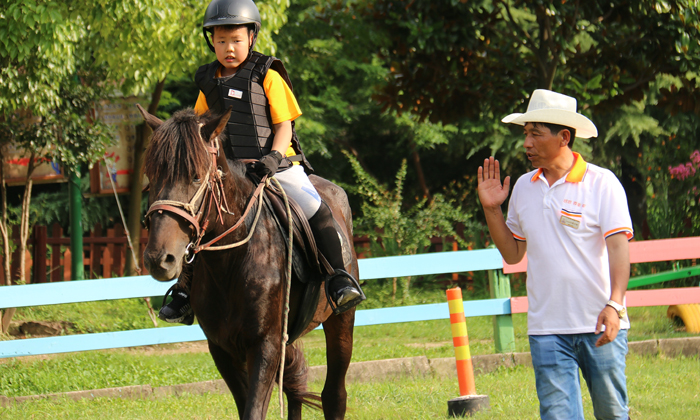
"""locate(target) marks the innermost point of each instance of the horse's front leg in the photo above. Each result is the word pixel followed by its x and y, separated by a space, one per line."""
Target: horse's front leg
pixel 263 364
pixel 234 374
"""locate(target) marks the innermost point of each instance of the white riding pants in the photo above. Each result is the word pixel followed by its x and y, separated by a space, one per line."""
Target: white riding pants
pixel 297 185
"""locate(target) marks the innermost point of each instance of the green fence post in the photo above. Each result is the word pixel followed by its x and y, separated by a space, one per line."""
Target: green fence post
pixel 75 208
pixel 503 334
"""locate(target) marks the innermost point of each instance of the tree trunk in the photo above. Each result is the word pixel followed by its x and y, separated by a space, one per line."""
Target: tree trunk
pixel 4 228
pixel 4 231
pixel 23 236
pixel 134 217
pixel 419 171
pixel 546 54
pixel 406 289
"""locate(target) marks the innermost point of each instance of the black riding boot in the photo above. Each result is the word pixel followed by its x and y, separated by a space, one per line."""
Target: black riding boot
pixel 179 309
pixel 341 287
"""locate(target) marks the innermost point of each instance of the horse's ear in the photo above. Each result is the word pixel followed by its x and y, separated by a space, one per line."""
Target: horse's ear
pixel 153 121
pixel 220 125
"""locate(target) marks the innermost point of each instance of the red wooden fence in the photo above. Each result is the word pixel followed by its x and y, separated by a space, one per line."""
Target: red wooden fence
pixel 104 254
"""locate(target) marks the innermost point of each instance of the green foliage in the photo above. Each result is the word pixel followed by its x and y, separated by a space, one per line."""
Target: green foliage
pixel 396 226
pixel 37 49
pixel 329 56
pixel 632 124
pixel 642 143
pixel 397 230
pixel 69 136
pixel 138 42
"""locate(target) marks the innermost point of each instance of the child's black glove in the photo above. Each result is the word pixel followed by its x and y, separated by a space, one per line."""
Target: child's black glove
pixel 268 164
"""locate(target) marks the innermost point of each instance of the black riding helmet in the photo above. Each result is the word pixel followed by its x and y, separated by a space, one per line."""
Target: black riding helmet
pixel 231 12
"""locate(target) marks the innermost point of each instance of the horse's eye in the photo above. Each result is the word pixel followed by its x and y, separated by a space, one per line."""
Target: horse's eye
pixel 197 180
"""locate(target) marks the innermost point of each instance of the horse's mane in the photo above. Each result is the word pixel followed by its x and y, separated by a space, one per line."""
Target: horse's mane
pixel 176 153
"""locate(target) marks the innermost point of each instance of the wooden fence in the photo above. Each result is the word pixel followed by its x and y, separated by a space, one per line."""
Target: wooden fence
pixel 48 255
pixel 501 306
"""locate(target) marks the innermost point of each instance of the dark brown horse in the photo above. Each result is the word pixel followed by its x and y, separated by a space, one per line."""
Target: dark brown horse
pixel 238 294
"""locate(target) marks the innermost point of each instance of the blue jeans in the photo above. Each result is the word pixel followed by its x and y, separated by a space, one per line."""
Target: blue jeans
pixel 557 359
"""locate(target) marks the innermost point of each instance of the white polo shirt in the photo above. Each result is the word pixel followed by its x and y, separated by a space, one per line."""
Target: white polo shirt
pixel 565 226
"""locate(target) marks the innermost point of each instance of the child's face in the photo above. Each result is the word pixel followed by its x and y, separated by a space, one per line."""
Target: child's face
pixel 231 47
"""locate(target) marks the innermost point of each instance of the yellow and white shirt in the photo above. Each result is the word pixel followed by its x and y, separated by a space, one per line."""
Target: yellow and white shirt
pixel 565 226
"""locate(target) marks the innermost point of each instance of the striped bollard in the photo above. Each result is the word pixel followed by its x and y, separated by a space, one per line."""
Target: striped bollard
pixel 468 402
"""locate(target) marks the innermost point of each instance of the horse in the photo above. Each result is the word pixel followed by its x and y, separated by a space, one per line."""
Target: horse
pixel 237 294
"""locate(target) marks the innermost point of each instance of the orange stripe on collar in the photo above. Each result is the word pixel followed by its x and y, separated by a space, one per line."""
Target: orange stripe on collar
pixel 578 171
pixel 536 176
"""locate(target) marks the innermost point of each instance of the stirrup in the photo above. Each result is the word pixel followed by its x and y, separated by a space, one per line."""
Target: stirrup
pixel 185 315
pixel 339 309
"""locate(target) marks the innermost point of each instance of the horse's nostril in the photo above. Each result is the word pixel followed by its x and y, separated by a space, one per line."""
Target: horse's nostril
pixel 169 259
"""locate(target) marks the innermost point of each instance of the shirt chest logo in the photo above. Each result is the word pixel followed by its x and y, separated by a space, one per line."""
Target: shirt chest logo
pixel 570 218
pixel 233 93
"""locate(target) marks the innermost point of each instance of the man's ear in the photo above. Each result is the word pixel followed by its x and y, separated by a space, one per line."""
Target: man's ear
pixel 565 137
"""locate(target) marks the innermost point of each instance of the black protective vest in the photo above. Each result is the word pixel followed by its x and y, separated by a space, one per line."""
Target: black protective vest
pixel 249 129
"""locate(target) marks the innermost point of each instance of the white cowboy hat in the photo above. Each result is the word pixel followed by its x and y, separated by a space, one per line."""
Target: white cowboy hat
pixel 551 107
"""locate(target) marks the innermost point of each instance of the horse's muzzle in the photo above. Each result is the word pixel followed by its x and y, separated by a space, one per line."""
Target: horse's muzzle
pixel 161 265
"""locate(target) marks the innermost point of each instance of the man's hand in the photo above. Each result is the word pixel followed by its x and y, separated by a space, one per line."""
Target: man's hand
pixel 491 192
pixel 608 317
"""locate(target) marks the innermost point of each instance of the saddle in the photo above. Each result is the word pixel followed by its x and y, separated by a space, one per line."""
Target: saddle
pixel 309 266
pixel 303 237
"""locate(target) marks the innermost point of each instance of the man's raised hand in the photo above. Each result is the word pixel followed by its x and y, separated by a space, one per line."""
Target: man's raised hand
pixel 491 192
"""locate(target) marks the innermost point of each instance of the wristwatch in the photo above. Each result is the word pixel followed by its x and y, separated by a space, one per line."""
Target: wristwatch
pixel 621 310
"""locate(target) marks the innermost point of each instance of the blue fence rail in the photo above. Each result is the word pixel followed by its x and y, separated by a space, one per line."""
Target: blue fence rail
pixel 372 268
pixel 145 286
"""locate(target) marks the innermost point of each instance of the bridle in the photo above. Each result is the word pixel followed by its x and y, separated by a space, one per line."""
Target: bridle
pixel 209 193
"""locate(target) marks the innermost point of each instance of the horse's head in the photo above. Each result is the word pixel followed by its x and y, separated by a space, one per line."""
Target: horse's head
pixel 180 162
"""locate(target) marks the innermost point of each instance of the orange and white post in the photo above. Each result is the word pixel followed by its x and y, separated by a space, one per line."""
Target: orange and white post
pixel 460 339
pixel 468 402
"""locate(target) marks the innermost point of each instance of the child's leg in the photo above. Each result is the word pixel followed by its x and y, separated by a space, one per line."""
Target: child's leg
pixel 296 184
pixel 342 289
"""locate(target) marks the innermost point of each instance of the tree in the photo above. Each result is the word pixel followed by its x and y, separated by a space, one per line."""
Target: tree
pixel 397 229
pixel 454 59
pixel 330 53
pixel 470 63
pixel 45 104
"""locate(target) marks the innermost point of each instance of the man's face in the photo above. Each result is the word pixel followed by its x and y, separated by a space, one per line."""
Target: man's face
pixel 541 146
pixel 231 47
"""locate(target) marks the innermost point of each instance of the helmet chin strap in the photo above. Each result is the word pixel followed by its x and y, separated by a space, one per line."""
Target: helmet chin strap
pixel 206 36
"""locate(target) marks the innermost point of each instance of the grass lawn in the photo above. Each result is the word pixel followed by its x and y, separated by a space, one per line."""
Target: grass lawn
pixel 159 366
pixel 659 388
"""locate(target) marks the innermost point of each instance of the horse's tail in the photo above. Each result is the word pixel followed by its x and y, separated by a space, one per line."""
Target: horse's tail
pixel 295 377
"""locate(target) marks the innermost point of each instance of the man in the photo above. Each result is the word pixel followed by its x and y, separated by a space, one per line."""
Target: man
pixel 572 218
